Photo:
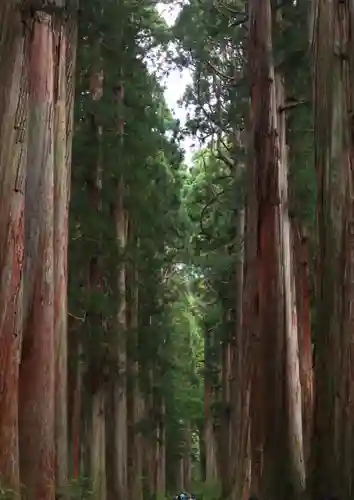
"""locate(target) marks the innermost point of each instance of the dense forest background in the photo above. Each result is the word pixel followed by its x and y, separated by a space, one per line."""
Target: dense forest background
pixel 168 324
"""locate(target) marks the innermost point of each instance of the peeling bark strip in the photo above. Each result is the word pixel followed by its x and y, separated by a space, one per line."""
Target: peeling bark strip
pixel 36 390
pixel 13 145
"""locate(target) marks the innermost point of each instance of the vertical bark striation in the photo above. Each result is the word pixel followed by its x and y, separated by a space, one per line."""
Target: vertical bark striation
pixel 61 206
pixel 276 406
pixel 239 385
pixel 304 330
pixel 333 65
pixel 13 150
pixel 37 447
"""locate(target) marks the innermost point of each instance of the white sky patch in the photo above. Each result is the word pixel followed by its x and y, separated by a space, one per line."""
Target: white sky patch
pixel 176 82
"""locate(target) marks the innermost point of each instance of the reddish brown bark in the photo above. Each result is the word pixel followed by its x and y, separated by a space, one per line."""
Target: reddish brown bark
pixel 344 38
pixel 276 423
pixel 333 436
pixel 13 146
pixel 36 411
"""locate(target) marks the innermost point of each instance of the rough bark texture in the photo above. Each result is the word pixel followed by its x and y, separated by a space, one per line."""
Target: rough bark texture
pixel 276 432
pixel 287 276
pixel 74 347
pixel 61 205
pixel 304 330
pixel 333 62
pixel 13 150
pixel 240 387
pixel 36 412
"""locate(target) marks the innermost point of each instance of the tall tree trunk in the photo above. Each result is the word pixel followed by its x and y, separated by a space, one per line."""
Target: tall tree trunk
pixel 333 63
pixel 187 460
pixel 61 205
pixel 13 151
pixel 323 447
pixel 75 381
pixel 120 393
pixel 293 393
pixel 154 463
pixel 225 430
pixel 95 391
pixel 240 382
pixel 211 470
pixel 201 452
pixel 134 397
pixel 180 475
pixel 74 347
pixel 98 446
pixel 36 392
pixel 148 436
pixel 110 445
pixel 120 385
pixel 276 433
pixel 160 486
pixel 304 329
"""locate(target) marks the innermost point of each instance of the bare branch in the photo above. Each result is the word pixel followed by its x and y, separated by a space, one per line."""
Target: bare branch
pixel 77 317
pixel 219 73
pixel 291 104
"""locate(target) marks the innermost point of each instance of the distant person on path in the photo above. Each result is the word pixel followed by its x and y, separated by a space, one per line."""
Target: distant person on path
pixel 185 496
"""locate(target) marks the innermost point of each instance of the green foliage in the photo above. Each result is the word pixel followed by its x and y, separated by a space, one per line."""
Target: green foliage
pixel 77 489
pixel 184 220
pixel 122 39
pixel 204 491
pixel 8 494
